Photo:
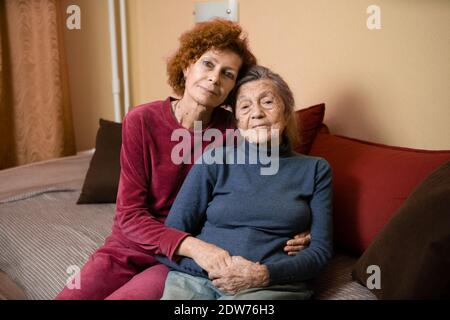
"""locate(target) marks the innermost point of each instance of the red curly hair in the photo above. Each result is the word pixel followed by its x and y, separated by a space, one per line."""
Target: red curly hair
pixel 219 34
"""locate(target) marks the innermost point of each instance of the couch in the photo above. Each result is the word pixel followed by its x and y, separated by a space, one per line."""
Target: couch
pixel 55 213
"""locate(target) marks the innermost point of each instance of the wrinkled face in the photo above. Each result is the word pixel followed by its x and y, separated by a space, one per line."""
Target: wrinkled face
pixel 210 79
pixel 260 111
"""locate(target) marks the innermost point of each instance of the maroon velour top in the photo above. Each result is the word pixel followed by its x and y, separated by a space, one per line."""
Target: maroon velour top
pixel 149 179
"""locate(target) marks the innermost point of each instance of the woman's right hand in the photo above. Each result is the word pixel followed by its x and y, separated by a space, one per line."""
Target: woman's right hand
pixel 208 256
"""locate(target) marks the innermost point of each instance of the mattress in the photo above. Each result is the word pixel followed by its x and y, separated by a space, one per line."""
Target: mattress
pixel 45 235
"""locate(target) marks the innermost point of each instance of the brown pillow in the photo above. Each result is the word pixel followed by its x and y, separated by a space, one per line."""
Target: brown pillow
pixel 102 178
pixel 413 249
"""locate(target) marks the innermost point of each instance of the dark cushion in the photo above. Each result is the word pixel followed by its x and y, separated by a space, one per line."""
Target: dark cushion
pixel 370 183
pixel 102 178
pixel 413 249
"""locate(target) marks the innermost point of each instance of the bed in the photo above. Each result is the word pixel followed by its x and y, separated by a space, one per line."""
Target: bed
pixel 45 235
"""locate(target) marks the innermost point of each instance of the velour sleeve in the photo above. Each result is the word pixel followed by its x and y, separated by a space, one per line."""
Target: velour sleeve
pixel 188 212
pixel 133 217
pixel 310 261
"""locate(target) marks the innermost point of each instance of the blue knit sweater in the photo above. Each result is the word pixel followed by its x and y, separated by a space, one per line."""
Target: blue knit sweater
pixel 252 215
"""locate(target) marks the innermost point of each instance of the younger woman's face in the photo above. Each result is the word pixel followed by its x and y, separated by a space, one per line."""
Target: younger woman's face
pixel 211 78
pixel 260 111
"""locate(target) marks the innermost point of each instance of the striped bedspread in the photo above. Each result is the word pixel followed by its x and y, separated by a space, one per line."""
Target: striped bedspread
pixel 42 230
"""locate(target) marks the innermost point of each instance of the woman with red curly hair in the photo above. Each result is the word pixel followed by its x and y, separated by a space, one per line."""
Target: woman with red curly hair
pixel 202 72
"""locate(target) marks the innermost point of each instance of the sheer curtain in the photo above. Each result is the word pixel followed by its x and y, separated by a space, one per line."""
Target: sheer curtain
pixel 35 114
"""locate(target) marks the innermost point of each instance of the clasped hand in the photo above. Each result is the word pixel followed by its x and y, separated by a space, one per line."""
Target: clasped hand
pixel 239 274
pixel 231 274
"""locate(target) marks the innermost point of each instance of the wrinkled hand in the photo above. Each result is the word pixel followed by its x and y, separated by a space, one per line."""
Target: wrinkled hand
pixel 211 257
pixel 300 242
pixel 240 274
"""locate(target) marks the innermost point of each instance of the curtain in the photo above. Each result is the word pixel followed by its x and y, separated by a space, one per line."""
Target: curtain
pixel 35 114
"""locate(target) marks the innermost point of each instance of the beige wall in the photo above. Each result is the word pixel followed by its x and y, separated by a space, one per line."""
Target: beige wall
pixel 89 63
pixel 389 86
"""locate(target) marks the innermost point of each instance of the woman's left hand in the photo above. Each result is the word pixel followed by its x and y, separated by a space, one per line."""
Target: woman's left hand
pixel 240 274
pixel 301 241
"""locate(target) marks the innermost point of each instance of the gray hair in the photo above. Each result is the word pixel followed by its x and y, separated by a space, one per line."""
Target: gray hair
pixel 258 72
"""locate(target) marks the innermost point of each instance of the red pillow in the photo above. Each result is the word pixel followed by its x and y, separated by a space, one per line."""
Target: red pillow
pixel 309 122
pixel 370 182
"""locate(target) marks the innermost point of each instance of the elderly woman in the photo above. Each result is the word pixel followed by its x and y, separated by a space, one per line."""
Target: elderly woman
pixel 203 71
pixel 251 215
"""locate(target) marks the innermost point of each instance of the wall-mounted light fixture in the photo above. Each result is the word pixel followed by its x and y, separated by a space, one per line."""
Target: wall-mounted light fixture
pixel 227 9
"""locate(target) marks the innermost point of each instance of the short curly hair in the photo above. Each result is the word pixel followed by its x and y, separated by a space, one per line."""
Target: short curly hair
pixel 218 34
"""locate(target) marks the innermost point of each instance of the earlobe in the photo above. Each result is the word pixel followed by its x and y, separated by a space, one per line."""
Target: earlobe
pixel 186 72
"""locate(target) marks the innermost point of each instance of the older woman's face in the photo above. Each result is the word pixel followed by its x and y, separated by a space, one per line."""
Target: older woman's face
pixel 260 111
pixel 210 79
